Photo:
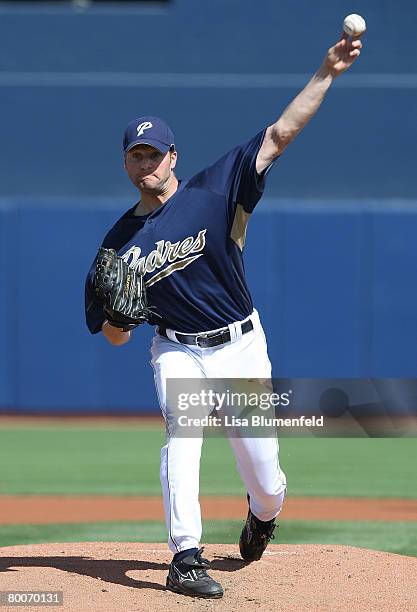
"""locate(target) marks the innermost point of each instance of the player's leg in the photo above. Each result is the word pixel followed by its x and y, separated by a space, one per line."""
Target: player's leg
pixel 180 456
pixel 257 459
pixel 180 466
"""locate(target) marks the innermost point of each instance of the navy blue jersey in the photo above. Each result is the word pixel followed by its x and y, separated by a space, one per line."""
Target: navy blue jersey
pixel 190 248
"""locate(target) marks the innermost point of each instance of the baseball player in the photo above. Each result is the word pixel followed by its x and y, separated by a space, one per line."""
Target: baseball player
pixel 186 237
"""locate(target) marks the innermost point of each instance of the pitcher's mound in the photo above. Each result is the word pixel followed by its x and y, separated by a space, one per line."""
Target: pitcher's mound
pixel 129 577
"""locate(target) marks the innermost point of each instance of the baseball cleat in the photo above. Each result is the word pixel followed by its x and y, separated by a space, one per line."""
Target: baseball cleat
pixel 189 577
pixel 255 537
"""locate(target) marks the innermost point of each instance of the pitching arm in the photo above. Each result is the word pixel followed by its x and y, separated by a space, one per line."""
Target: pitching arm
pixel 306 104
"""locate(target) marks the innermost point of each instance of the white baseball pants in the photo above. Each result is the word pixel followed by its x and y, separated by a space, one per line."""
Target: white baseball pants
pixel 256 458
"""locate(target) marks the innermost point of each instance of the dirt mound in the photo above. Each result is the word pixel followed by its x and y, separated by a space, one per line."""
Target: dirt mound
pixel 113 577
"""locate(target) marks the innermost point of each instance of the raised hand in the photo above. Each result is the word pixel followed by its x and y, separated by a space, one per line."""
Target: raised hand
pixel 341 56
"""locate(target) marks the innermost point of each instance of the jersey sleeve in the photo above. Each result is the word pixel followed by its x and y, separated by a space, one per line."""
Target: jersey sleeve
pixel 234 175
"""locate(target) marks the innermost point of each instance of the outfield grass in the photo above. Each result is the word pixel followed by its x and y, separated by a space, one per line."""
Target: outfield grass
pixel 68 459
pixel 100 459
pixel 398 538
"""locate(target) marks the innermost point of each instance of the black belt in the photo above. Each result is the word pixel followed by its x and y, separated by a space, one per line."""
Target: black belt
pixel 207 339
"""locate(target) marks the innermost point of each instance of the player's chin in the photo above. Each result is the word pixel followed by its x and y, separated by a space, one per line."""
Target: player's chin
pixel 149 184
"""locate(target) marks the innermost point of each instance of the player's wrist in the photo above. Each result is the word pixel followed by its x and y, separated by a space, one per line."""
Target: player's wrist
pixel 324 73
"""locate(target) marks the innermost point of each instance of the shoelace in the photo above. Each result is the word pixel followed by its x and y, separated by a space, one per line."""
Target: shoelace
pixel 200 560
pixel 267 532
pixel 270 536
pixel 200 565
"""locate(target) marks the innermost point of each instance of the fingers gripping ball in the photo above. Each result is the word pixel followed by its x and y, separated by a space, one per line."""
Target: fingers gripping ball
pixel 121 290
pixel 354 25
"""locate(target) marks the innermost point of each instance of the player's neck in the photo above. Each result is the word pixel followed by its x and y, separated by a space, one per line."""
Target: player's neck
pixel 151 201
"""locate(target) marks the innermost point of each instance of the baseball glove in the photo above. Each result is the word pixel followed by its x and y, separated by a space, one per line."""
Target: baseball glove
pixel 121 290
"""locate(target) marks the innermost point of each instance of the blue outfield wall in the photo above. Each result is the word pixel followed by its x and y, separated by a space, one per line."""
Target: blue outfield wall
pixel 218 71
pixel 334 283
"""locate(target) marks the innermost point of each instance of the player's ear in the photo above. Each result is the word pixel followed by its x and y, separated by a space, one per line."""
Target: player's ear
pixel 173 159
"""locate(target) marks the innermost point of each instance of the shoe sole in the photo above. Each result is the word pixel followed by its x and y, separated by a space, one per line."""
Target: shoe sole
pixel 184 591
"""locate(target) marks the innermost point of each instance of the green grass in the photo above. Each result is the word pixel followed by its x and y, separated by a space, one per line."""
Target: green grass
pixel 358 467
pixel 80 460
pixel 124 460
pixel 398 537
pixel 121 460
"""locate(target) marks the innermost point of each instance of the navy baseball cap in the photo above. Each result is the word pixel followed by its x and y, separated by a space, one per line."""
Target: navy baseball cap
pixel 148 130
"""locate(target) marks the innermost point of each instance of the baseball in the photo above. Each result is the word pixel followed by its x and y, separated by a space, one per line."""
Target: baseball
pixel 354 25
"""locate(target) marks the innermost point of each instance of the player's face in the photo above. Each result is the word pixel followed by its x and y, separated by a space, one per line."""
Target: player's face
pixel 149 169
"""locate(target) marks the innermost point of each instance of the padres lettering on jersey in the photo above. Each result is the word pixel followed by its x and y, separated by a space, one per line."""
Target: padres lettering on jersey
pixel 166 252
pixel 190 248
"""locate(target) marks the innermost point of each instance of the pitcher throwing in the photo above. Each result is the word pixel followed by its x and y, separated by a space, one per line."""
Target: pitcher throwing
pixel 185 239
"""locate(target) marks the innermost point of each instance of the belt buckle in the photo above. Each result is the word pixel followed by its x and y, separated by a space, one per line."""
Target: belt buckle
pixel 203 336
pixel 209 336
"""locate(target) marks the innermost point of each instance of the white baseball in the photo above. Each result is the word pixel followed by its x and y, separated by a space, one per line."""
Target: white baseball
pixel 354 25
